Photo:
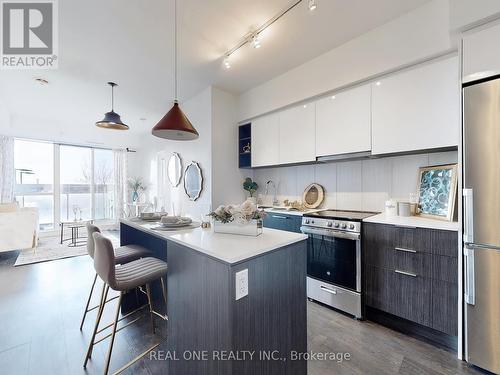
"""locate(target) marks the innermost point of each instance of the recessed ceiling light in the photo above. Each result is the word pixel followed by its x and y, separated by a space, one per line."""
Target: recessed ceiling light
pixel 227 63
pixel 378 83
pixel 42 81
pixel 305 105
pixel 333 96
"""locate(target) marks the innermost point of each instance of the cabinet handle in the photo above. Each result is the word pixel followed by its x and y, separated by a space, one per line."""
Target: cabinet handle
pixel 332 291
pixel 406 273
pixel 405 250
pixel 279 217
pixel 405 226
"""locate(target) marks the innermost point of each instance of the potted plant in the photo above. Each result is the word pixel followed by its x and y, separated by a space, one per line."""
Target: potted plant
pixel 137 186
pixel 251 187
pixel 245 219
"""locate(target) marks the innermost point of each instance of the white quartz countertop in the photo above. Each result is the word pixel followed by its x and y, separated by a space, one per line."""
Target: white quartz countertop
pixel 229 248
pixel 413 221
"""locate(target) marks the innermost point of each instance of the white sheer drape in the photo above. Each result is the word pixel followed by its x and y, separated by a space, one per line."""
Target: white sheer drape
pixel 120 182
pixel 7 173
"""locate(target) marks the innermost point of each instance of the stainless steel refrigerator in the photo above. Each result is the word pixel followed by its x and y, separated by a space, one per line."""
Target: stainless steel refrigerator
pixel 481 223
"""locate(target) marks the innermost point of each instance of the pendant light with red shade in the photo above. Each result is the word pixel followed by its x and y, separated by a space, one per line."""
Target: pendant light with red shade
pixel 175 125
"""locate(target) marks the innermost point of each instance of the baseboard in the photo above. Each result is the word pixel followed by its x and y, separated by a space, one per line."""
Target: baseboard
pixel 412 329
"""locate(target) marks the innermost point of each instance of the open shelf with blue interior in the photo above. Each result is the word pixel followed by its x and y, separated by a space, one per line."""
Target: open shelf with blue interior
pixel 245 146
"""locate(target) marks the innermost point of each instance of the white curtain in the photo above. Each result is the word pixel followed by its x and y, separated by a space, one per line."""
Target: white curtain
pixel 7 173
pixel 120 182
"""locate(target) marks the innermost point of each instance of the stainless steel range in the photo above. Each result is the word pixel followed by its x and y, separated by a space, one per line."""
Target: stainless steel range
pixel 334 258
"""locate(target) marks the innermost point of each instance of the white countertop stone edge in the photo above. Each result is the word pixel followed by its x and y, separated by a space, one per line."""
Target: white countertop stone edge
pixel 413 221
pixel 191 238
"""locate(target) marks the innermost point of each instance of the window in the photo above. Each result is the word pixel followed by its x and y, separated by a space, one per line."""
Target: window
pixel 34 165
pixel 85 177
pixel 103 185
pixel 76 180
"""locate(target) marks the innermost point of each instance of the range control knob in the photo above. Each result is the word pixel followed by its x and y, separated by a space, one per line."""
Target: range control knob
pixel 344 225
pixel 336 225
pixel 329 224
pixel 351 226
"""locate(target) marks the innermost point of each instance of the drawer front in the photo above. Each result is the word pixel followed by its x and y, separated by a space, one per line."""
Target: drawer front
pixel 340 298
pixel 415 262
pixel 418 239
pixel 290 223
pixel 445 307
pixel 413 297
pixel 445 242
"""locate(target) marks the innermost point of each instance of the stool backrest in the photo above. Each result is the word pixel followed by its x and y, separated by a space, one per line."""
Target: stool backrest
pixel 91 229
pixel 104 259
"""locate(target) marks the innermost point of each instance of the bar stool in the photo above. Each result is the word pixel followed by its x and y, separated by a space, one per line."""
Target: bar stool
pixel 123 254
pixel 132 275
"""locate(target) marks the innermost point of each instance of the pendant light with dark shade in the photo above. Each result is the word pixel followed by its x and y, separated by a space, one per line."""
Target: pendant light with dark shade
pixel 112 119
pixel 175 125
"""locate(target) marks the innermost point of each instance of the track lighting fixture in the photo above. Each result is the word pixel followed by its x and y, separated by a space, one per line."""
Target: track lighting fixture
pixel 253 38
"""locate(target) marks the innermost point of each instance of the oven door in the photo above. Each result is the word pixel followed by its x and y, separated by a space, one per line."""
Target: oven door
pixel 334 257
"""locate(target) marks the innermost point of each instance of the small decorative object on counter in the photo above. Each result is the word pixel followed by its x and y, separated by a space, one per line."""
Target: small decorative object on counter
pixel 247 148
pixel 251 187
pixel 404 209
pixel 313 196
pixel 391 208
pixel 137 186
pixel 244 219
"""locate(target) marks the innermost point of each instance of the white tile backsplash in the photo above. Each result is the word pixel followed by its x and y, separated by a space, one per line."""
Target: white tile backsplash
pixel 353 185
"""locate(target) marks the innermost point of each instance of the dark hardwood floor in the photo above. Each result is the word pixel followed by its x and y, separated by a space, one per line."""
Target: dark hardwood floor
pixel 41 306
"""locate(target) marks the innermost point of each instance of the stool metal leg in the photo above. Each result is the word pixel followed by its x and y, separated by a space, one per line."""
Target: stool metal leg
pixel 88 302
pixel 113 334
pixel 104 295
pixel 150 302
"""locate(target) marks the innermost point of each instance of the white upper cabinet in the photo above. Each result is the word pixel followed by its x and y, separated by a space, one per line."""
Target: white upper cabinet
pixel 480 53
pixel 343 122
pixel 265 141
pixel 417 109
pixel 297 134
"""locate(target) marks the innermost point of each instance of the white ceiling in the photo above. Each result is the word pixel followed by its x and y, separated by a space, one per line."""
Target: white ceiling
pixel 131 43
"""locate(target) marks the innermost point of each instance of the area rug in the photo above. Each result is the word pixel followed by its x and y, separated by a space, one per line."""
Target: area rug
pixel 49 249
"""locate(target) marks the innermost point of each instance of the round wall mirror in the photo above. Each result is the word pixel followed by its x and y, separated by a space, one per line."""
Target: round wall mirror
pixel 174 169
pixel 313 196
pixel 193 181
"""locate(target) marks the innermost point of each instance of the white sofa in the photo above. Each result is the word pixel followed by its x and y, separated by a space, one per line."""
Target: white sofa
pixel 18 227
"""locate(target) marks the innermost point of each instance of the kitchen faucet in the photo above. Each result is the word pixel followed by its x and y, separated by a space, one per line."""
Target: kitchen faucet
pixel 275 197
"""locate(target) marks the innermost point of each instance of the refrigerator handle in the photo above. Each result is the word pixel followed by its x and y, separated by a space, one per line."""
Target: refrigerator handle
pixel 468 216
pixel 470 296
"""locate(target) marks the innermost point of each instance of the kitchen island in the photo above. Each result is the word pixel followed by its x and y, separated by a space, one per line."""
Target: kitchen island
pixel 211 329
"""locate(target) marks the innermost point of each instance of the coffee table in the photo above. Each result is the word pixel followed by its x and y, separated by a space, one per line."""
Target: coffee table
pixel 75 227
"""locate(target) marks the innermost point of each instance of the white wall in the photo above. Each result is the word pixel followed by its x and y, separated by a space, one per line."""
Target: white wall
pixel 144 162
pixel 226 177
pixel 467 13
pixel 353 185
pixel 213 114
pixel 414 36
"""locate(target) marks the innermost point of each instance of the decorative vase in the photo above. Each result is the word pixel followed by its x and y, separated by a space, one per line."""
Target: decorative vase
pixel 251 228
pixel 252 199
pixel 135 196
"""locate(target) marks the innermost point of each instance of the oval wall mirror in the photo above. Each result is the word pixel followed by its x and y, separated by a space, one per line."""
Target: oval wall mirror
pixel 193 181
pixel 313 196
pixel 174 169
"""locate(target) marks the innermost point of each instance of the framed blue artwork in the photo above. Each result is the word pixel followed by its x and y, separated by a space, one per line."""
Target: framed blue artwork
pixel 437 191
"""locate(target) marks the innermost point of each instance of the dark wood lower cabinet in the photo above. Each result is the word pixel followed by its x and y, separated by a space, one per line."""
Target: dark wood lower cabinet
pixel 412 274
